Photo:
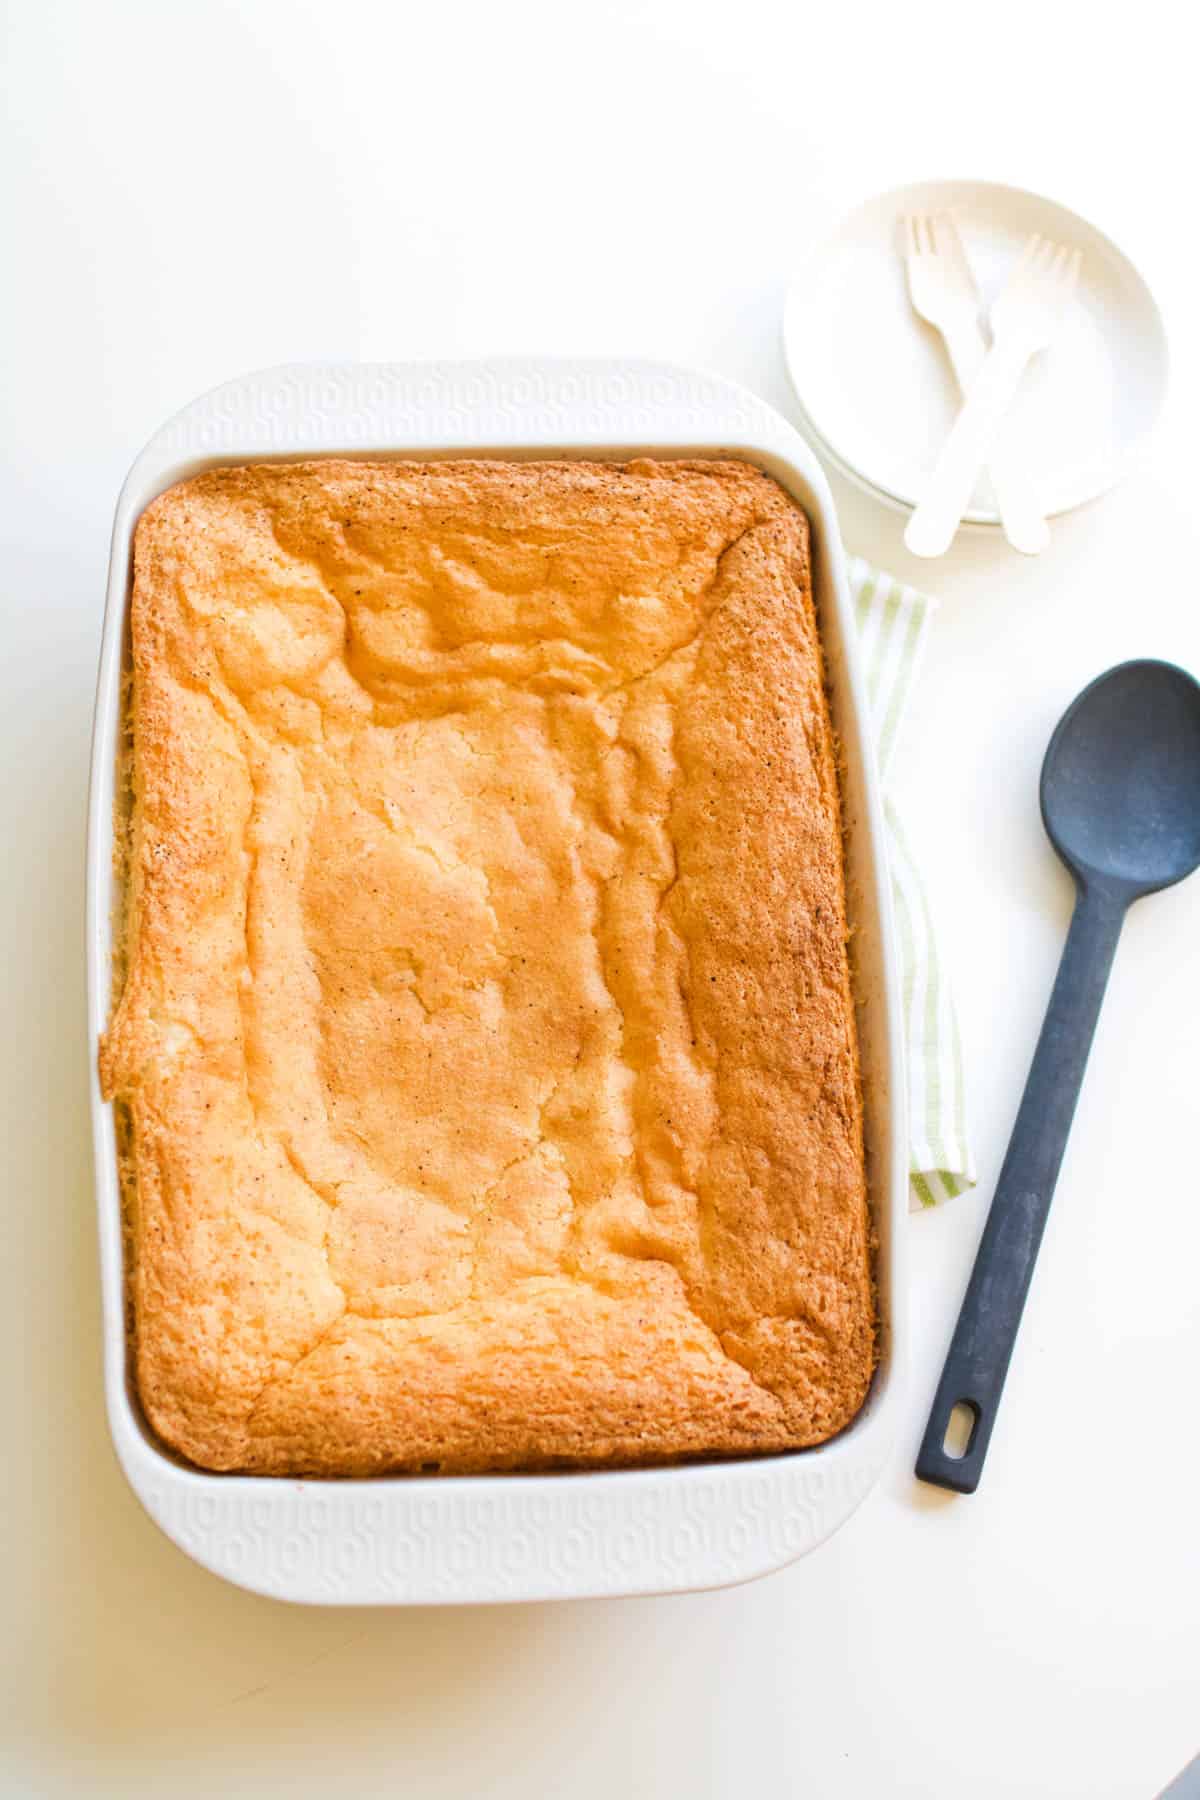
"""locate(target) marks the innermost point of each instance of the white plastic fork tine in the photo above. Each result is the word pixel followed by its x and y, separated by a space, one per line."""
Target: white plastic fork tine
pixel 1028 257
pixel 934 235
pixel 1066 274
pixel 911 244
pixel 950 242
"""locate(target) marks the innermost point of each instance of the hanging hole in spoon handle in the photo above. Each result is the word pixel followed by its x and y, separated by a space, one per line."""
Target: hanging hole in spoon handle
pixel 983 1341
pixel 952 1452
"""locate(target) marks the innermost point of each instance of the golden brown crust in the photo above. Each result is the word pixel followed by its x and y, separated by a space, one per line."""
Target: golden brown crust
pixel 486 1038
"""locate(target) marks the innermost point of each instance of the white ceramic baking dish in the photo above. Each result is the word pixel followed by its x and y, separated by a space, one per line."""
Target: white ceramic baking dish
pixel 443 1539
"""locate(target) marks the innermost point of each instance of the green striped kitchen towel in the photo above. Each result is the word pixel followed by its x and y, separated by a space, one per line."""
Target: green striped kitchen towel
pixel 893 622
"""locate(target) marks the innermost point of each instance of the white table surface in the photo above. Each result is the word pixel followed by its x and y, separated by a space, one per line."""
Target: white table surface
pixel 194 190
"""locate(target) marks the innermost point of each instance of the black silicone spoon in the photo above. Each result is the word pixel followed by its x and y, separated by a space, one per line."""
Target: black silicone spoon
pixel 1121 804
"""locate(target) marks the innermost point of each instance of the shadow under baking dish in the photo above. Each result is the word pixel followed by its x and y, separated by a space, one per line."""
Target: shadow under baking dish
pixel 456 1539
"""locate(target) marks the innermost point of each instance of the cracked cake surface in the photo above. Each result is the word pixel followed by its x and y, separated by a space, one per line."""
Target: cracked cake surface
pixel 484 1051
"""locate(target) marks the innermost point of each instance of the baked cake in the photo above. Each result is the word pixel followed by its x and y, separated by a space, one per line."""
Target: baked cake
pixel 484 1050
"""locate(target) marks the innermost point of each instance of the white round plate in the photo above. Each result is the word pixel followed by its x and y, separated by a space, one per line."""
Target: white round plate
pixel 874 384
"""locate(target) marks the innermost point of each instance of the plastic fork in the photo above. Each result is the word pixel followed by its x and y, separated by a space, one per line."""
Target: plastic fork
pixel 1025 318
pixel 943 293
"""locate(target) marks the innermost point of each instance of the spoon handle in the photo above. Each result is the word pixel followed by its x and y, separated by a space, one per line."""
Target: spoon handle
pixel 978 1358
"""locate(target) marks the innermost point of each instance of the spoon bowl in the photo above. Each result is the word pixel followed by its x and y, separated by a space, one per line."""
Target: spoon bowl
pixel 1121 779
